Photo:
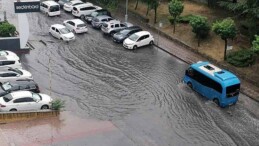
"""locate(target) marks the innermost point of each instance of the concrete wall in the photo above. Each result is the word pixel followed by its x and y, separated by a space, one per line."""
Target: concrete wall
pixel 6 117
pixel 10 43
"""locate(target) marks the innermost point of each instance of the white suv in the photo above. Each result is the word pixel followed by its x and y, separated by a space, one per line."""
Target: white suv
pixel 8 60
pixel 76 26
pixel 138 39
pixel 84 9
pixel 113 26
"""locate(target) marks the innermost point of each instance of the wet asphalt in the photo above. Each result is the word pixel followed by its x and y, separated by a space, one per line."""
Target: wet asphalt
pixel 140 92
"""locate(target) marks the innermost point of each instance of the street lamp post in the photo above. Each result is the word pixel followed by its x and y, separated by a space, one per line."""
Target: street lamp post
pixel 126 15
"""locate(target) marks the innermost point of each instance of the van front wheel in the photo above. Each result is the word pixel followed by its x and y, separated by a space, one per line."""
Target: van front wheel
pixel 190 85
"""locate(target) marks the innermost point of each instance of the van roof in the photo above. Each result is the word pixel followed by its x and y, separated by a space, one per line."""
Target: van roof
pixel 50 3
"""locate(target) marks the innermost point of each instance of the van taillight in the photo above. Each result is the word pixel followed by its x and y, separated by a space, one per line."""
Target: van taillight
pixel 1 105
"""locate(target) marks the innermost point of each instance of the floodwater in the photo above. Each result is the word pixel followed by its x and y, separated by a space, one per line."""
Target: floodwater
pixel 138 95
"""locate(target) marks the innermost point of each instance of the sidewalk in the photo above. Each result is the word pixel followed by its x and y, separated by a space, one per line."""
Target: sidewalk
pixel 183 51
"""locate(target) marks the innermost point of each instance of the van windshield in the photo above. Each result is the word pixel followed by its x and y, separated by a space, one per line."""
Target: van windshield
pixel 134 37
pixel 81 25
pixel 54 8
pixel 233 90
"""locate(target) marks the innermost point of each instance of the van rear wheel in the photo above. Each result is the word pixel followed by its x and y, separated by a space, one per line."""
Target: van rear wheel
pixel 82 17
pixel 216 101
pixel 190 85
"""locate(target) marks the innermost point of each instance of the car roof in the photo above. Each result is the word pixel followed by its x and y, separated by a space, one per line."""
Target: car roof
pixel 113 22
pixel 76 1
pixel 102 17
pixel 50 3
pixel 58 26
pixel 140 33
pixel 84 5
pixel 22 81
pixel 76 21
pixel 18 94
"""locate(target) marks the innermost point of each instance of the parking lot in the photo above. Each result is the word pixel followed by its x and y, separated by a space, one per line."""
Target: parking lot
pixel 134 97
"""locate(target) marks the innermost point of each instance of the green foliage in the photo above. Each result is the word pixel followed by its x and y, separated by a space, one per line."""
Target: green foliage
pixel 181 19
pixel 57 104
pixel 200 26
pixel 7 29
pixel 110 4
pixel 225 28
pixel 255 44
pixel 175 8
pixel 242 58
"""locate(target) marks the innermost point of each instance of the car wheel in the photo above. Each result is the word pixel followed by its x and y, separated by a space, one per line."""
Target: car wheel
pixel 74 31
pixel 112 33
pixel 190 85
pixel 44 107
pixel 216 101
pixel 135 47
pixel 13 109
pixel 82 17
pixel 151 42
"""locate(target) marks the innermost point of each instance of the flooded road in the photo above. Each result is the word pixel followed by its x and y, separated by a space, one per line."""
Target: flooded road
pixel 139 93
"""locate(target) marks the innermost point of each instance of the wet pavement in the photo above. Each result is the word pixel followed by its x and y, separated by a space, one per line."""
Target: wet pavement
pixel 119 97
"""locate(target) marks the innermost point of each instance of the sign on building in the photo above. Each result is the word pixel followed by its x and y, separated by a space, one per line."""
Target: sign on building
pixel 26 6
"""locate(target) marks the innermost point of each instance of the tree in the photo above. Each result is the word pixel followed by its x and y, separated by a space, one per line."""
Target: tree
pixel 136 6
pixel 255 44
pixel 225 29
pixel 154 5
pixel 247 8
pixel 200 27
pixel 7 29
pixel 175 9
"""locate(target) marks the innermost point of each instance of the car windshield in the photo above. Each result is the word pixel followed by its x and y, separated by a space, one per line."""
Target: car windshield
pixel 7 97
pixel 233 90
pixel 64 31
pixel 3 53
pixel 6 86
pixel 124 32
pixel 134 37
pixel 94 14
pixel 36 97
pixel 81 25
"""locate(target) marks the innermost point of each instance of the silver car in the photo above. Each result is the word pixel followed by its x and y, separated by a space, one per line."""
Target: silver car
pixel 98 21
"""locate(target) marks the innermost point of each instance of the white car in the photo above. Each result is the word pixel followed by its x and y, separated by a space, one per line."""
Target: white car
pixel 84 9
pixel 61 32
pixel 8 60
pixel 69 6
pixel 76 26
pixel 7 53
pixel 50 8
pixel 138 39
pixel 14 74
pixel 114 26
pixel 24 101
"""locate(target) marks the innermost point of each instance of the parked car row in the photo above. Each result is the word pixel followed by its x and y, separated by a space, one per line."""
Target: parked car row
pixel 131 36
pixel 18 90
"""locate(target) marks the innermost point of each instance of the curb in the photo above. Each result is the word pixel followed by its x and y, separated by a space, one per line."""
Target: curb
pixel 222 64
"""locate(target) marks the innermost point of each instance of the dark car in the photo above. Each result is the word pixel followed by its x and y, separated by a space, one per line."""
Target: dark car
pixel 119 37
pixel 96 13
pixel 27 85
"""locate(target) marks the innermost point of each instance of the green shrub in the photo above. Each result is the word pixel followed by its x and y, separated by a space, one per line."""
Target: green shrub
pixel 181 19
pixel 57 104
pixel 7 29
pixel 255 44
pixel 242 58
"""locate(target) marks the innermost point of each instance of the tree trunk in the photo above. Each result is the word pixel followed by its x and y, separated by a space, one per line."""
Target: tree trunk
pixel 155 15
pixel 225 51
pixel 147 9
pixel 234 1
pixel 136 5
pixel 198 40
pixel 174 23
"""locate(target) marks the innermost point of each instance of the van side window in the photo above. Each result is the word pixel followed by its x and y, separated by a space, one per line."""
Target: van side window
pixel 122 25
pixel 8 62
pixel 53 28
pixel 117 25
